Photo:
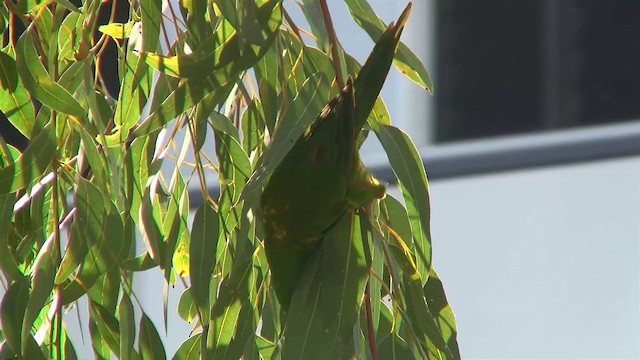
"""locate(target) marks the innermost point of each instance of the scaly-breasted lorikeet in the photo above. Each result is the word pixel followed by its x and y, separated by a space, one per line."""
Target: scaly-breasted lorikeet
pixel 322 176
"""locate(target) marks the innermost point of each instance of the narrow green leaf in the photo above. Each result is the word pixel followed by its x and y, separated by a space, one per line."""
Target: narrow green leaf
pixel 44 270
pixel 151 16
pixel 150 344
pixel 7 262
pixel 253 126
pixel 406 61
pixel 422 321
pixel 213 54
pixel 393 347
pixel 412 180
pixel 31 165
pixel 190 349
pixel 12 310
pixel 136 82
pixel 232 322
pixel 151 226
pixel 107 326
pixel 143 262
pixel 183 98
pixel 15 102
pixel 106 290
pixel 234 169
pixel 325 308
pixel 100 347
pixel 313 13
pixel 38 82
pixel 267 71
pixel 187 308
pixel 69 352
pixel 373 73
pixel 265 347
pixel 175 220
pixel 439 307
pixel 194 12
pixel 375 285
pixel 117 31
pixel 96 159
pixel 395 215
pixel 126 327
pixel 202 255
pixel 70 36
pixel 86 229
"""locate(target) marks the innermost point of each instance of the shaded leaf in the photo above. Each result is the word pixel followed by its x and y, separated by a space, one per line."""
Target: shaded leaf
pixel 325 307
pixel 12 310
pixel 440 308
pixel 150 344
pixel 393 347
pixel 44 270
pixel 412 181
pixel 86 229
pixel 107 326
pixel 31 164
pixel 202 255
pixel 232 321
pixel 126 327
pixel 143 262
pixel 7 262
pixel 303 111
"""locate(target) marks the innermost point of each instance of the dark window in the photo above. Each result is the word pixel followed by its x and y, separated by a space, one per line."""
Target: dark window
pixel 509 67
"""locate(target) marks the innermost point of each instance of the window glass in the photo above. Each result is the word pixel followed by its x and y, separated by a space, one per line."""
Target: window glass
pixel 514 67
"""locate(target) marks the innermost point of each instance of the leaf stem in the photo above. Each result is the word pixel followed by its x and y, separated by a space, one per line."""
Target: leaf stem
pixel 333 42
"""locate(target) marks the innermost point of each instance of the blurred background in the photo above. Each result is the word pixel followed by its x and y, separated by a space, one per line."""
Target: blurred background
pixel 531 143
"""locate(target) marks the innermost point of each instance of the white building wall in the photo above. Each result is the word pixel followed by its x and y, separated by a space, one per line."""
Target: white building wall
pixel 543 263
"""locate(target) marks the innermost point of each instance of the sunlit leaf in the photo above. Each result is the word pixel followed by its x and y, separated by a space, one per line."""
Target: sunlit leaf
pixel 406 61
pixel 213 55
pixel 187 309
pixel 15 102
pixel 39 83
pixel 190 349
pixel 117 30
pixel 31 165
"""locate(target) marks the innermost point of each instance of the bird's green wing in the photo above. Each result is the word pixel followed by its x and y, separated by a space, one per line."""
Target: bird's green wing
pixel 322 176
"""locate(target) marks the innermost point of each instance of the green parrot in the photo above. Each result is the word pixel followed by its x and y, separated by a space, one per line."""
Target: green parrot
pixel 322 176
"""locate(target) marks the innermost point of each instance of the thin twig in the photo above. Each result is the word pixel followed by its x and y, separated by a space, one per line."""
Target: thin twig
pixel 333 42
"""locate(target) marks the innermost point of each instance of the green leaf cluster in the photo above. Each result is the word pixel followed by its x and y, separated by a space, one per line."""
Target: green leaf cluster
pixel 106 187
